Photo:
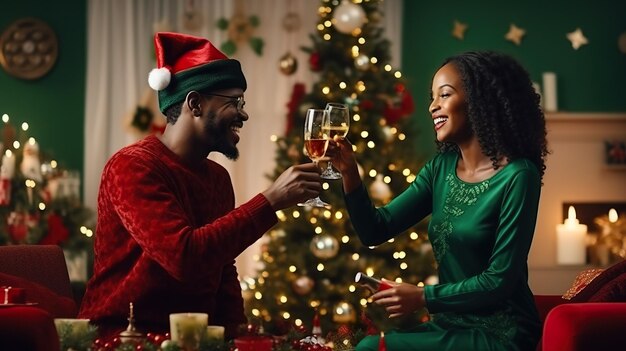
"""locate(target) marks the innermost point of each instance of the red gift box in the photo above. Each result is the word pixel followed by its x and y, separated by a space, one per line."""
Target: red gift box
pixel 254 343
pixel 13 295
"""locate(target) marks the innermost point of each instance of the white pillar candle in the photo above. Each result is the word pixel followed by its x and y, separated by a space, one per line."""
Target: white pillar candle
pixel 571 244
pixel 78 326
pixel 215 332
pixel 549 92
pixel 186 329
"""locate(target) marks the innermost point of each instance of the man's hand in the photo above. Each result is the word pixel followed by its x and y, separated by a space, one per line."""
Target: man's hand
pixel 401 300
pixel 297 184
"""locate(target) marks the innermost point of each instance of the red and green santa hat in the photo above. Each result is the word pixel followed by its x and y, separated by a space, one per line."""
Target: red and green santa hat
pixel 186 63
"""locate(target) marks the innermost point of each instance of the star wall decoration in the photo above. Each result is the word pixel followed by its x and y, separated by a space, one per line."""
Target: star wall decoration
pixel 577 38
pixel 515 34
pixel 459 30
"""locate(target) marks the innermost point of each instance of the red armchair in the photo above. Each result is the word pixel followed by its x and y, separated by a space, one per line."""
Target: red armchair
pixel 42 272
pixel 594 318
pixel 585 326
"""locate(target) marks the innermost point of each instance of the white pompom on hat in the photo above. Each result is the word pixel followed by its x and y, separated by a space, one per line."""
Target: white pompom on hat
pixel 159 78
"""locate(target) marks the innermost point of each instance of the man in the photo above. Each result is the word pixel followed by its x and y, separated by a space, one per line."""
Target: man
pixel 168 232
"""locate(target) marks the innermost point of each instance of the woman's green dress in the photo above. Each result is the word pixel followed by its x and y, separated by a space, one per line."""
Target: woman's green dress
pixel 481 234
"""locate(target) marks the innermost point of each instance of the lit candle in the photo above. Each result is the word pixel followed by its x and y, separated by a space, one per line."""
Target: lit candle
pixel 571 247
pixel 613 215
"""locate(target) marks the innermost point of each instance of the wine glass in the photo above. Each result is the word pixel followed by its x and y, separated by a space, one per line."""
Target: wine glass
pixel 336 123
pixel 315 145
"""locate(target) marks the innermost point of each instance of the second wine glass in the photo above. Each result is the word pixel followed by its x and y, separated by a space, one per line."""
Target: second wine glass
pixel 337 122
pixel 315 145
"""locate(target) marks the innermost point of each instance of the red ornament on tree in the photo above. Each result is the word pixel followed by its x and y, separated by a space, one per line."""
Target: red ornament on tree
pixel 315 62
pixel 399 107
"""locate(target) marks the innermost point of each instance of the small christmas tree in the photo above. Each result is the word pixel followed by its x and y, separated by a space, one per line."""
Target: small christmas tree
pixel 313 255
pixel 39 201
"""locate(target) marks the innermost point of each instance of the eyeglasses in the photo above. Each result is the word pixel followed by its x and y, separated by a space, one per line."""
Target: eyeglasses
pixel 238 100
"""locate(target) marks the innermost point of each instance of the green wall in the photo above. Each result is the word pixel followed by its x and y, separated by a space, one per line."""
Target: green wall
pixel 53 105
pixel 590 79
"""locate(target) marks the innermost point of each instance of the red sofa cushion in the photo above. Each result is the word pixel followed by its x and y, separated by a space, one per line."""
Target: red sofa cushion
pixel 58 306
pixel 608 286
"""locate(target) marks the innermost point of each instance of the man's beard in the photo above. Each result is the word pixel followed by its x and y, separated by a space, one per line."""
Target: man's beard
pixel 231 152
pixel 221 135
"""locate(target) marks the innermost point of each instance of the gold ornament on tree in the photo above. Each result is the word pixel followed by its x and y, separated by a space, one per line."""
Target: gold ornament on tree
pixel 240 29
pixel 324 246
pixel 362 62
pixel 344 313
pixel 303 285
pixel 288 63
pixel 380 190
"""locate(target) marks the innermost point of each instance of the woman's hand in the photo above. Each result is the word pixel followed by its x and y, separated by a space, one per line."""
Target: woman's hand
pixel 342 156
pixel 401 299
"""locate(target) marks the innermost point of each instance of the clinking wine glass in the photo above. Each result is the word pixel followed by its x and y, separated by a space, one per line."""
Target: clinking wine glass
pixel 336 123
pixel 315 145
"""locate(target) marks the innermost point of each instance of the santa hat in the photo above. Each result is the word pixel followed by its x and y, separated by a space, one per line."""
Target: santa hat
pixel 186 63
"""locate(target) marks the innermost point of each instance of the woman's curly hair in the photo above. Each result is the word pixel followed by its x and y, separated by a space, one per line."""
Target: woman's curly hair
pixel 502 107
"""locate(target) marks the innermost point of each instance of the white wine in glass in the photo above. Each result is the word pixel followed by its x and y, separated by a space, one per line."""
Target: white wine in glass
pixel 336 123
pixel 315 145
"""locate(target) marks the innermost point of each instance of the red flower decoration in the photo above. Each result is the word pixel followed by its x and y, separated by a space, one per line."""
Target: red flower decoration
pixel 57 232
pixel 395 111
pixel 296 96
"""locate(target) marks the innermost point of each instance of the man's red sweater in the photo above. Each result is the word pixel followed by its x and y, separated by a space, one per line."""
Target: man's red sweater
pixel 166 240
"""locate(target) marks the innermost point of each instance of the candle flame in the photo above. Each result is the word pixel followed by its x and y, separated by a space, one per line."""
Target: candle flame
pixel 571 213
pixel 612 215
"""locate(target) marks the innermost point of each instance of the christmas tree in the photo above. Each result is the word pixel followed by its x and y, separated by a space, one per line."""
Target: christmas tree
pixel 313 254
pixel 39 200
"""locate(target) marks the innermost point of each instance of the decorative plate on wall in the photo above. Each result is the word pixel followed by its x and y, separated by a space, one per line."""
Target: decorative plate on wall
pixel 28 49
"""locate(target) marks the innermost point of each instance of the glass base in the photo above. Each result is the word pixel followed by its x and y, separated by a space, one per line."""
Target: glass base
pixel 316 202
pixel 330 173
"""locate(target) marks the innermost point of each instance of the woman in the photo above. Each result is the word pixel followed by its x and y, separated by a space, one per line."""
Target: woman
pixel 482 189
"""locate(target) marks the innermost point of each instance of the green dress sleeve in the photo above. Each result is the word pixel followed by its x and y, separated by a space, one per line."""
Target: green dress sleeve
pixel 374 225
